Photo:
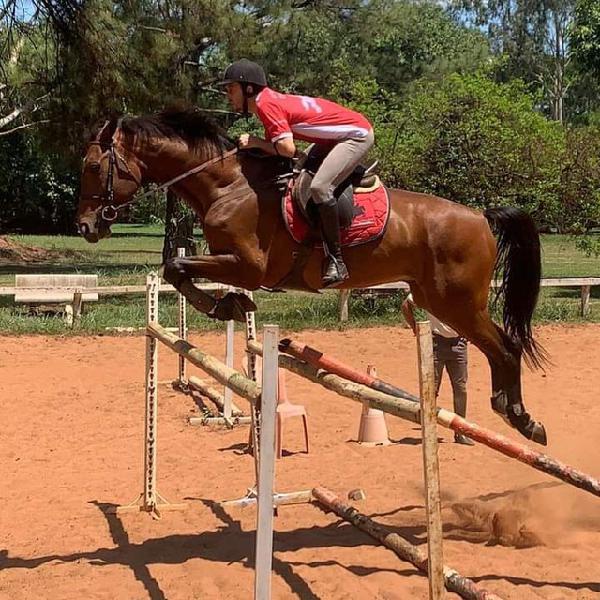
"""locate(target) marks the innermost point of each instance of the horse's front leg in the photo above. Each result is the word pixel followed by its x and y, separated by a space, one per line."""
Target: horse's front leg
pixel 221 268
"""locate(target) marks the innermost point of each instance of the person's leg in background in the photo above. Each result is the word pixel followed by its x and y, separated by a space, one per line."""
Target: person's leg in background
pixel 438 361
pixel 457 367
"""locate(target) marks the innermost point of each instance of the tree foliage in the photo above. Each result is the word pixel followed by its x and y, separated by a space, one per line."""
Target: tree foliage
pixel 463 94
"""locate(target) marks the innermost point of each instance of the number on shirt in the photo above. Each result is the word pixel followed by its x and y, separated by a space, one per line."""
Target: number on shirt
pixel 311 104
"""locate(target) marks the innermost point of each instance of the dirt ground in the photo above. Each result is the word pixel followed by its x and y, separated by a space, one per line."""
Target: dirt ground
pixel 71 431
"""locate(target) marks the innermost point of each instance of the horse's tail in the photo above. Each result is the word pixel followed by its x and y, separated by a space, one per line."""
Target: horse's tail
pixel 519 261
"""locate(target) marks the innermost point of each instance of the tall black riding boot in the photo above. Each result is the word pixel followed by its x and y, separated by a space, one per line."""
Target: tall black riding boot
pixel 335 270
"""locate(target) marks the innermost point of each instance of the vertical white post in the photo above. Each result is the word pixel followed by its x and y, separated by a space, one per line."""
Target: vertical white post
pixel 251 337
pixel 430 461
pixel 227 393
pixel 182 326
pixel 254 436
pixel 264 521
pixel 151 418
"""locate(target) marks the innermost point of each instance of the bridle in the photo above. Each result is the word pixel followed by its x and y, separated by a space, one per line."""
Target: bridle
pixel 108 210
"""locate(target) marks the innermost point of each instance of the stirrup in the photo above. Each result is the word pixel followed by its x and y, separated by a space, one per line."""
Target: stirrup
pixel 341 273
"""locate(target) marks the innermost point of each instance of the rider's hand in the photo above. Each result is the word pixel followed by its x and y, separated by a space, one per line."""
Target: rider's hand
pixel 246 141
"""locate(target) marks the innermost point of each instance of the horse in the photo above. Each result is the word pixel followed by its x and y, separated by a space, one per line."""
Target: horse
pixel 446 252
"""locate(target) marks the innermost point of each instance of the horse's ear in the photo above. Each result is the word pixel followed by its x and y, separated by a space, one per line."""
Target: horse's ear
pixel 107 131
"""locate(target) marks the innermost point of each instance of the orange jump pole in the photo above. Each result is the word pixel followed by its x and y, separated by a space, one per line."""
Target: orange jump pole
pixel 542 462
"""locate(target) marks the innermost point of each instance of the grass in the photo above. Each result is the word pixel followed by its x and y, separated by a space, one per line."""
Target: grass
pixel 133 250
pixel 562 259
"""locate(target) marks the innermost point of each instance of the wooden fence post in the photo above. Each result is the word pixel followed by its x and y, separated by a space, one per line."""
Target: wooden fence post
pixel 585 300
pixel 343 301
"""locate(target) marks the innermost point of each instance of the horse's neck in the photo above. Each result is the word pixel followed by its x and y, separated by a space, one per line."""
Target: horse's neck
pixel 198 189
pixel 240 177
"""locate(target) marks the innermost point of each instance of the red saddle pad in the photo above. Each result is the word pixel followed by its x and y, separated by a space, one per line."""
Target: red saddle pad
pixel 371 213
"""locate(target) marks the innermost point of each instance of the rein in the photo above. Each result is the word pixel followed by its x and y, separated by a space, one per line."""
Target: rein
pixel 109 211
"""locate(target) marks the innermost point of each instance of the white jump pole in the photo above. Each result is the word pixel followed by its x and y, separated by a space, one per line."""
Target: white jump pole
pixel 266 469
pixel 430 461
pixel 227 392
pixel 182 327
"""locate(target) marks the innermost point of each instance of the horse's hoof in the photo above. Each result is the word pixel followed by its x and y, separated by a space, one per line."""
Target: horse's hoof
pixel 525 425
pixel 221 311
pixel 245 304
pixel 534 431
pixel 233 306
pixel 538 434
pixel 517 417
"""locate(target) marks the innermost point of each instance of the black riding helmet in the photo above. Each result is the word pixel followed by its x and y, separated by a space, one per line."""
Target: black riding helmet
pixel 245 71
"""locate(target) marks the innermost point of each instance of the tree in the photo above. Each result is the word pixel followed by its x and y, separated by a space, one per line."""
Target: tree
pixel 585 35
pixel 532 38
pixel 476 142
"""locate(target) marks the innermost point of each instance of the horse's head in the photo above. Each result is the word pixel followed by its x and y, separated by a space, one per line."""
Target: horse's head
pixel 108 182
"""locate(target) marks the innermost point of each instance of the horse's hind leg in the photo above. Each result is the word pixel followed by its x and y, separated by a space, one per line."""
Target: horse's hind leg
pixel 504 357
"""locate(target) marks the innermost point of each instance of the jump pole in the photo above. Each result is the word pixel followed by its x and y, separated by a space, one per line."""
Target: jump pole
pixel 454 582
pixel 431 470
pixel 309 362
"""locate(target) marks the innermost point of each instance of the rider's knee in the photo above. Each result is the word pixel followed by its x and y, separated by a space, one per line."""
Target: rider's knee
pixel 320 191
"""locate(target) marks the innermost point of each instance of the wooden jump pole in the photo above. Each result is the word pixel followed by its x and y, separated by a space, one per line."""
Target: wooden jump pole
pixel 409 410
pixel 454 582
pixel 209 364
pixel 328 363
pixel 195 383
pixel 431 469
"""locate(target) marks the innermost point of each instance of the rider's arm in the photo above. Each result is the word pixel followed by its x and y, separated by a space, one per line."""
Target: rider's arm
pixel 278 132
pixel 283 147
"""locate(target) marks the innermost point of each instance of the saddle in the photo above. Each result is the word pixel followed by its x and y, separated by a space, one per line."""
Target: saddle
pixel 363 203
pixel 361 181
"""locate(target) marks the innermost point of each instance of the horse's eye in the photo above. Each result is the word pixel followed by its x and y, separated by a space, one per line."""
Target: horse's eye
pixel 95 167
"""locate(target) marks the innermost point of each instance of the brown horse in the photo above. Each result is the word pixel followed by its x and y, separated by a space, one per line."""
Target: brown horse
pixel 446 252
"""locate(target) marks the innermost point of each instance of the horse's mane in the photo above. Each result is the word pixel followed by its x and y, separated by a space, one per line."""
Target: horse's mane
pixel 187 124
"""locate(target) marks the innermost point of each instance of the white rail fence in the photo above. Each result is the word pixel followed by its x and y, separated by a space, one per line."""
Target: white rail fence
pixel 585 283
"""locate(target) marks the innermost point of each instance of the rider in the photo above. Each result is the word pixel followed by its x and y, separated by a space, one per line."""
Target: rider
pixel 343 134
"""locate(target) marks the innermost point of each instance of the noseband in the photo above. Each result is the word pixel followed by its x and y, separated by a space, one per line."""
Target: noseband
pixel 108 210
